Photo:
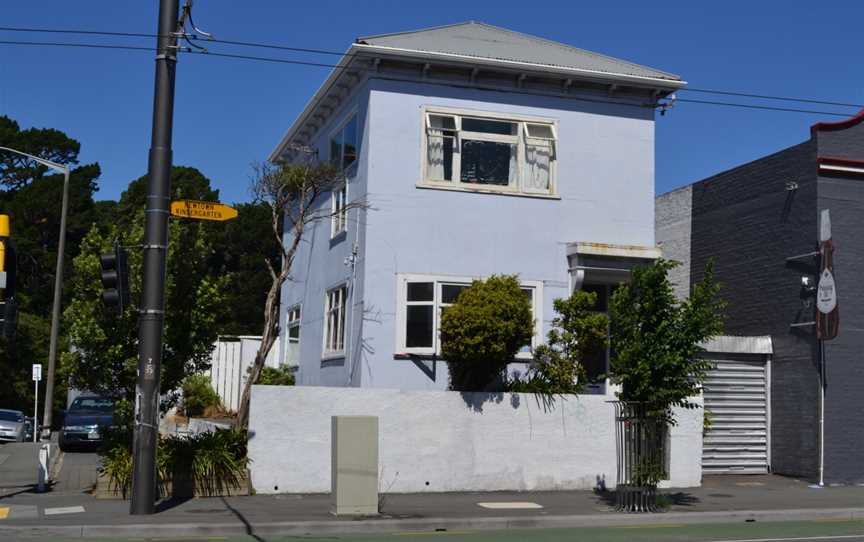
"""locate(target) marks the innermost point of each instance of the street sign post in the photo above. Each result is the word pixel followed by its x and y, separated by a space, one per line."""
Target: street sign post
pixel 202 210
pixel 37 376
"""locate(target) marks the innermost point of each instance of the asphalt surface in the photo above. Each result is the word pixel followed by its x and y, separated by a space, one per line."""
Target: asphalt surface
pixel 18 466
pixel 745 501
pixel 812 531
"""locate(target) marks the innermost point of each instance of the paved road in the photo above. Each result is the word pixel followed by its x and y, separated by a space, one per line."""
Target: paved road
pixel 18 466
pixel 814 531
pixel 77 472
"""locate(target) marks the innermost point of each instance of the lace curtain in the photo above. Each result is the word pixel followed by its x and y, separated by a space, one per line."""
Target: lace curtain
pixel 538 164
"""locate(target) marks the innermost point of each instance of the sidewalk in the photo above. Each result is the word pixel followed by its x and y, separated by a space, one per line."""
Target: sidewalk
pixel 721 499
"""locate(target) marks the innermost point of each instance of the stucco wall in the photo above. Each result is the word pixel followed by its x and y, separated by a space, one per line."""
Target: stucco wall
pixel 448 441
pixel 673 225
pixel 605 179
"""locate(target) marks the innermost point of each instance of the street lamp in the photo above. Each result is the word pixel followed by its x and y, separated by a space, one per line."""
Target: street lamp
pixel 58 288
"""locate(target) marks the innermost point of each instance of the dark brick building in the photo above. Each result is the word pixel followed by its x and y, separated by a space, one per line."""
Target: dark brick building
pixel 750 220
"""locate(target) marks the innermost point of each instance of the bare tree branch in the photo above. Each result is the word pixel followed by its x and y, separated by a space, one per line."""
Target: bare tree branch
pixel 296 196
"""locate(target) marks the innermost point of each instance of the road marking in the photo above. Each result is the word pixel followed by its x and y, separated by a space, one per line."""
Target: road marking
pixel 4 512
pixel 826 537
pixel 63 510
pixel 651 526
pixel 509 505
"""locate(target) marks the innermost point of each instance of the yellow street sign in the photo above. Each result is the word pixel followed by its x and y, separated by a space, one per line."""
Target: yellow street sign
pixel 203 210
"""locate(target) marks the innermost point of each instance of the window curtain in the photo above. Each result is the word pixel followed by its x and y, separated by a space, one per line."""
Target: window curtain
pixel 435 154
pixel 538 165
pixel 513 177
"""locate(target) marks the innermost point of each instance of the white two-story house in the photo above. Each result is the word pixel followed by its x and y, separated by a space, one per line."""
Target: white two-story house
pixel 479 151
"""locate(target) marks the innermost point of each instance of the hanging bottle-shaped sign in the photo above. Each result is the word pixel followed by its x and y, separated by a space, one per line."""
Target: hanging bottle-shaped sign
pixel 827 311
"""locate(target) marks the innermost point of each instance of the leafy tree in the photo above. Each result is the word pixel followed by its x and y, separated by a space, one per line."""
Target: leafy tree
pixel 296 198
pixel 483 331
pixel 17 171
pixel 277 376
pixel 656 338
pixel 240 249
pixel 105 347
pixel 32 195
pixel 577 333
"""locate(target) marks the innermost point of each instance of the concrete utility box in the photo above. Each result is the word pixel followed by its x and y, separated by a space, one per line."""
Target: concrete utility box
pixel 354 465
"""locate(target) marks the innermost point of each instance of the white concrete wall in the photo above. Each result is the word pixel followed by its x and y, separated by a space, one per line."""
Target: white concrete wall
pixel 432 441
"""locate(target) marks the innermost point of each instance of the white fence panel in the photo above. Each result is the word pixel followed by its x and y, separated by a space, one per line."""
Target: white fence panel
pixel 230 363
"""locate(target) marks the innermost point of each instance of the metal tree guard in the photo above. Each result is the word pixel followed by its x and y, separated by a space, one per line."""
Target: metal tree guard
pixel 640 439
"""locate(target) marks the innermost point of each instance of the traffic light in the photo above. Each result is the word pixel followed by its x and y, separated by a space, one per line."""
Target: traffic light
pixel 115 278
pixel 8 266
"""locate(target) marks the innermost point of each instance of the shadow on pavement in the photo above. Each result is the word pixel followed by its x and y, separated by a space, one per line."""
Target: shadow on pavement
pixel 664 499
pixel 250 531
pixel 170 502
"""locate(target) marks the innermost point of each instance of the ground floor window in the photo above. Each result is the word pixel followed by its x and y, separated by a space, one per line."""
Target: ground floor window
pixel 334 321
pixel 292 354
pixel 424 298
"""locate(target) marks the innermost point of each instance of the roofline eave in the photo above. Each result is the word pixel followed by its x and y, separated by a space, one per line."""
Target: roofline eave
pixel 671 84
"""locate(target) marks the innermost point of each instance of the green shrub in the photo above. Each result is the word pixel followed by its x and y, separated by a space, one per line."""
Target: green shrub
pixel 198 394
pixel 282 376
pixel 484 330
pixel 212 462
pixel 577 333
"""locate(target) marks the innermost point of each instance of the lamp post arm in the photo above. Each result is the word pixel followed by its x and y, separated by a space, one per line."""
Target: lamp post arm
pixel 58 288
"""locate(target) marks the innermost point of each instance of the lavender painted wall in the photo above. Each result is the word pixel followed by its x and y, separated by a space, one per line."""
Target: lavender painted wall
pixel 605 181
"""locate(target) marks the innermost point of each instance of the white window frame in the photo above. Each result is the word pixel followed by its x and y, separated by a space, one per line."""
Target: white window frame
pixel 338 210
pixel 351 115
pixel 335 316
pixel 520 139
pixel 293 320
pixel 402 281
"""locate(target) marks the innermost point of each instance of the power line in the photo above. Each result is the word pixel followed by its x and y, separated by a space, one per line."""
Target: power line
pixel 765 107
pixel 343 67
pixel 766 97
pixel 341 54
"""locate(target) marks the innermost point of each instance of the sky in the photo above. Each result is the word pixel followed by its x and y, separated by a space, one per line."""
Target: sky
pixel 230 114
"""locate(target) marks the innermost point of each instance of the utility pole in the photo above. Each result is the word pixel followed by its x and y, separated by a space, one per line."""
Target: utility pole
pixel 155 256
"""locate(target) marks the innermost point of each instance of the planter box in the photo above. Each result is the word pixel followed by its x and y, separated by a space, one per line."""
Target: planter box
pixel 184 489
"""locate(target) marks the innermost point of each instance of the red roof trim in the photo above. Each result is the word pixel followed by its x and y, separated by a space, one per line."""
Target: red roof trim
pixel 840 125
pixel 835 161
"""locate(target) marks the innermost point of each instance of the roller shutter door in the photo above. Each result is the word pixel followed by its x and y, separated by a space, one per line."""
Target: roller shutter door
pixel 736 399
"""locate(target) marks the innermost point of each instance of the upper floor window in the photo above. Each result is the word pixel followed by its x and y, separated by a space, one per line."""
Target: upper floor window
pixel 471 151
pixel 343 144
pixel 338 210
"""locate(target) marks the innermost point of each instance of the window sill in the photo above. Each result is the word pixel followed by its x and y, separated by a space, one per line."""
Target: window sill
pixel 499 192
pixel 434 357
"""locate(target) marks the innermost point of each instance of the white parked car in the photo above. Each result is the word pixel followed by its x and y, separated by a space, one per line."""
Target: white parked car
pixel 11 426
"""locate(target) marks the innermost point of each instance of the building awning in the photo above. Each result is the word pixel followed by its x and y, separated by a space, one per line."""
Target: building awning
pixel 603 263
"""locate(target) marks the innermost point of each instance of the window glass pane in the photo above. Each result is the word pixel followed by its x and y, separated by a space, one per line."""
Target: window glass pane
pixel 487 162
pixel 439 155
pixel 538 165
pixel 336 148
pixel 294 333
pixel 442 122
pixel 349 140
pixel 449 292
pixel 595 365
pixel 420 291
pixel 418 326
pixel 540 130
pixel 488 126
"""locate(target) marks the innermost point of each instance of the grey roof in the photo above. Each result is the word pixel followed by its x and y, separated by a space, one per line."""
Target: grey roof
pixel 480 40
